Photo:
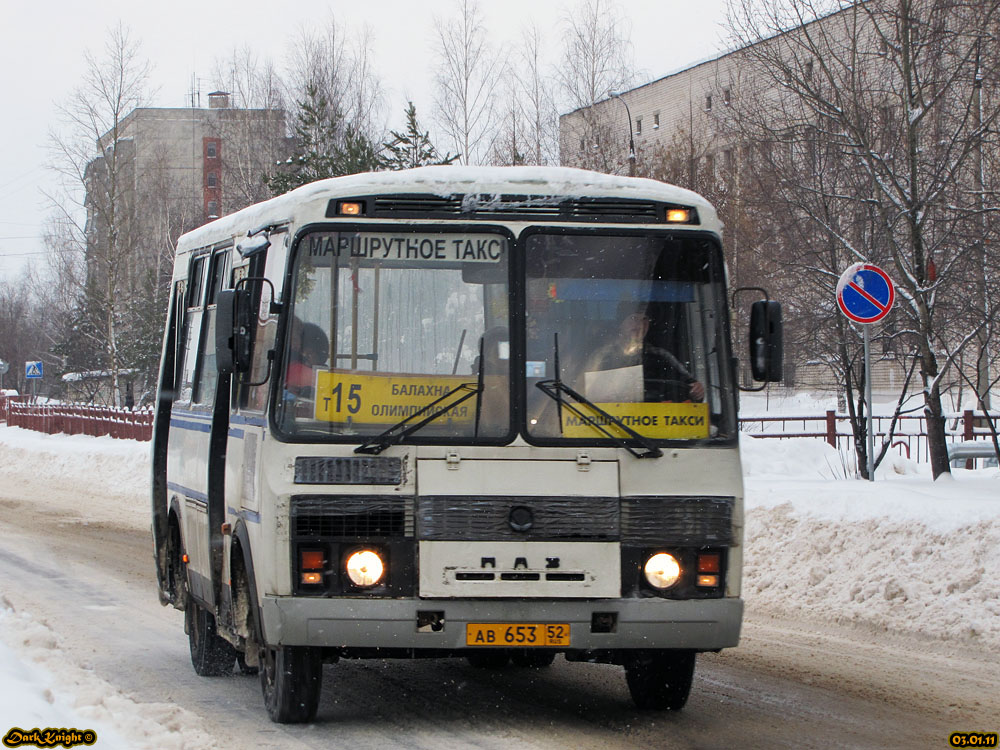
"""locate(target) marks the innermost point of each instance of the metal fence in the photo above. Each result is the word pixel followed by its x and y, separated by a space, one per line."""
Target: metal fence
pixel 909 438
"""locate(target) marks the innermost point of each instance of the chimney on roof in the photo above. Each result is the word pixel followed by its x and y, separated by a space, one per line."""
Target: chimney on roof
pixel 218 100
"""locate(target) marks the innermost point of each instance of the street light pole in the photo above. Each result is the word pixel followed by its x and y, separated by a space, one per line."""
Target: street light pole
pixel 631 142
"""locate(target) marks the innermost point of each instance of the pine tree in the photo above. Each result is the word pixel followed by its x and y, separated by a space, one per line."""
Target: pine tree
pixel 356 153
pixel 326 146
pixel 412 148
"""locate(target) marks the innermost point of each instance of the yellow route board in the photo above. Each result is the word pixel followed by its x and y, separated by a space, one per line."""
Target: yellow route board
pixel 663 421
pixel 384 398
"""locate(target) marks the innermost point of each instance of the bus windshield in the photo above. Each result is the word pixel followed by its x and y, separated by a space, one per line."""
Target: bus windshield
pixel 633 324
pixel 385 323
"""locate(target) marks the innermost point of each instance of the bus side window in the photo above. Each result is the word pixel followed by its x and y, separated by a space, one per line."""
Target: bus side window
pixel 208 374
pixel 180 315
pixel 192 327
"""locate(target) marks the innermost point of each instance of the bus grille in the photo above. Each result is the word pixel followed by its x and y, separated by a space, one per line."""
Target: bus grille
pixel 351 516
pixel 461 517
pixel 348 470
pixel 678 520
pixel 515 207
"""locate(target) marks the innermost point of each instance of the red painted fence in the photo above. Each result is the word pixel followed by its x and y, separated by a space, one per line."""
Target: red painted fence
pixel 73 419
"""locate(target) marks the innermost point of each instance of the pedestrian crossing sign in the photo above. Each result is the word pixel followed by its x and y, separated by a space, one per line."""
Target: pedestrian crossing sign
pixel 32 369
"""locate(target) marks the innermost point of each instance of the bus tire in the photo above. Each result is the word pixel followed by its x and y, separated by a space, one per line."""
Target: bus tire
pixel 661 682
pixel 291 678
pixel 211 655
pixel 532 659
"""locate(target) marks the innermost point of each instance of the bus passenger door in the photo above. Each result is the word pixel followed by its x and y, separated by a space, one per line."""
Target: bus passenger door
pixel 194 473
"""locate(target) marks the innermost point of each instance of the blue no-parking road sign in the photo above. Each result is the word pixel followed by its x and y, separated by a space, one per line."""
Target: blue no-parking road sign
pixel 32 370
pixel 865 293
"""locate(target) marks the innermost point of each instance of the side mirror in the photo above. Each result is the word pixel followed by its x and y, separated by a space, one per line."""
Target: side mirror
pixel 232 331
pixel 225 319
pixel 766 348
pixel 243 330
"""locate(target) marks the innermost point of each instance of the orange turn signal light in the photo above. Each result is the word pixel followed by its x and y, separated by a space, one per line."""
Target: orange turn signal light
pixel 678 215
pixel 708 581
pixel 709 562
pixel 349 208
pixel 312 578
pixel 312 559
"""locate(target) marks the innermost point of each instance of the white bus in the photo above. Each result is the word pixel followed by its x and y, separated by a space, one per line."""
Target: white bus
pixel 476 412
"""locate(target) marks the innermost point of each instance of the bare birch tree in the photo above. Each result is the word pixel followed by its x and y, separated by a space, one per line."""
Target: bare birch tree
pixel 886 89
pixel 467 76
pixel 97 164
pixel 538 99
pixel 255 135
pixel 334 63
pixel 596 60
pixel 511 140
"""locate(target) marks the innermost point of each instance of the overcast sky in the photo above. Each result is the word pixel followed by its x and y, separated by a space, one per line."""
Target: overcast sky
pixel 44 43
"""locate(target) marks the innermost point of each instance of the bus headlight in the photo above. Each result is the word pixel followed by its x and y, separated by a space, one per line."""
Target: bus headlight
pixel 662 570
pixel 364 568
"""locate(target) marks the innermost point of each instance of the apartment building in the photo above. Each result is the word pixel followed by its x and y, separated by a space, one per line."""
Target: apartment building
pixel 164 171
pixel 769 111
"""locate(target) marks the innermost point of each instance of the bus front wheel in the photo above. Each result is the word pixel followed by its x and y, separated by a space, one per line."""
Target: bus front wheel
pixel 661 681
pixel 291 678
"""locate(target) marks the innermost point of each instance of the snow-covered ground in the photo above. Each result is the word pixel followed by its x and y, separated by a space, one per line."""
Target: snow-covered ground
pixel 903 553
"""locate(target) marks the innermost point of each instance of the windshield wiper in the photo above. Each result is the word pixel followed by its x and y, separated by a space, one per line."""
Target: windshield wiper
pixel 383 440
pixel 554 390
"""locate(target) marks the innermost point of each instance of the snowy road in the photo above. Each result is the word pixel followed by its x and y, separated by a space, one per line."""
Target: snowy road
pixel 89 589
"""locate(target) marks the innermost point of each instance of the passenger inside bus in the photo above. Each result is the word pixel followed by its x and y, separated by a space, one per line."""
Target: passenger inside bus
pixel 631 367
pixel 309 350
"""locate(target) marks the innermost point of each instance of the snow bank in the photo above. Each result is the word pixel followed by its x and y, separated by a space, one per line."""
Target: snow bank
pixel 41 688
pixel 114 474
pixel 902 553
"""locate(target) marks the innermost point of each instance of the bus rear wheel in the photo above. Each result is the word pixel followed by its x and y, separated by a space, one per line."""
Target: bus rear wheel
pixel 662 681
pixel 211 655
pixel 291 678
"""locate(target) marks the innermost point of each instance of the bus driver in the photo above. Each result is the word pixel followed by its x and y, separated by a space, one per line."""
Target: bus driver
pixel 663 376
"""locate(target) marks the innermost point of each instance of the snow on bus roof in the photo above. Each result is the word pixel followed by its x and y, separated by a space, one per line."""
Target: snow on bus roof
pixel 446 181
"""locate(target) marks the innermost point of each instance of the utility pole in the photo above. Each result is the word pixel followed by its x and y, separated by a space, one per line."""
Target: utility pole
pixel 982 356
pixel 631 142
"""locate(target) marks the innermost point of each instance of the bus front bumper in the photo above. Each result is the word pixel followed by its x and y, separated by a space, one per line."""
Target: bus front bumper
pixel 703 625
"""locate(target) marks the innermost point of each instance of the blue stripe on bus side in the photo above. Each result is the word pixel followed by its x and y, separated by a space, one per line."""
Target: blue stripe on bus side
pixel 252 421
pixel 247 515
pixel 233 418
pixel 199 497
pixel 183 424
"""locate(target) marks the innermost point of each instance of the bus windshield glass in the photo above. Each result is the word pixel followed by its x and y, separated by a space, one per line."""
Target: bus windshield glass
pixel 634 325
pixel 383 324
